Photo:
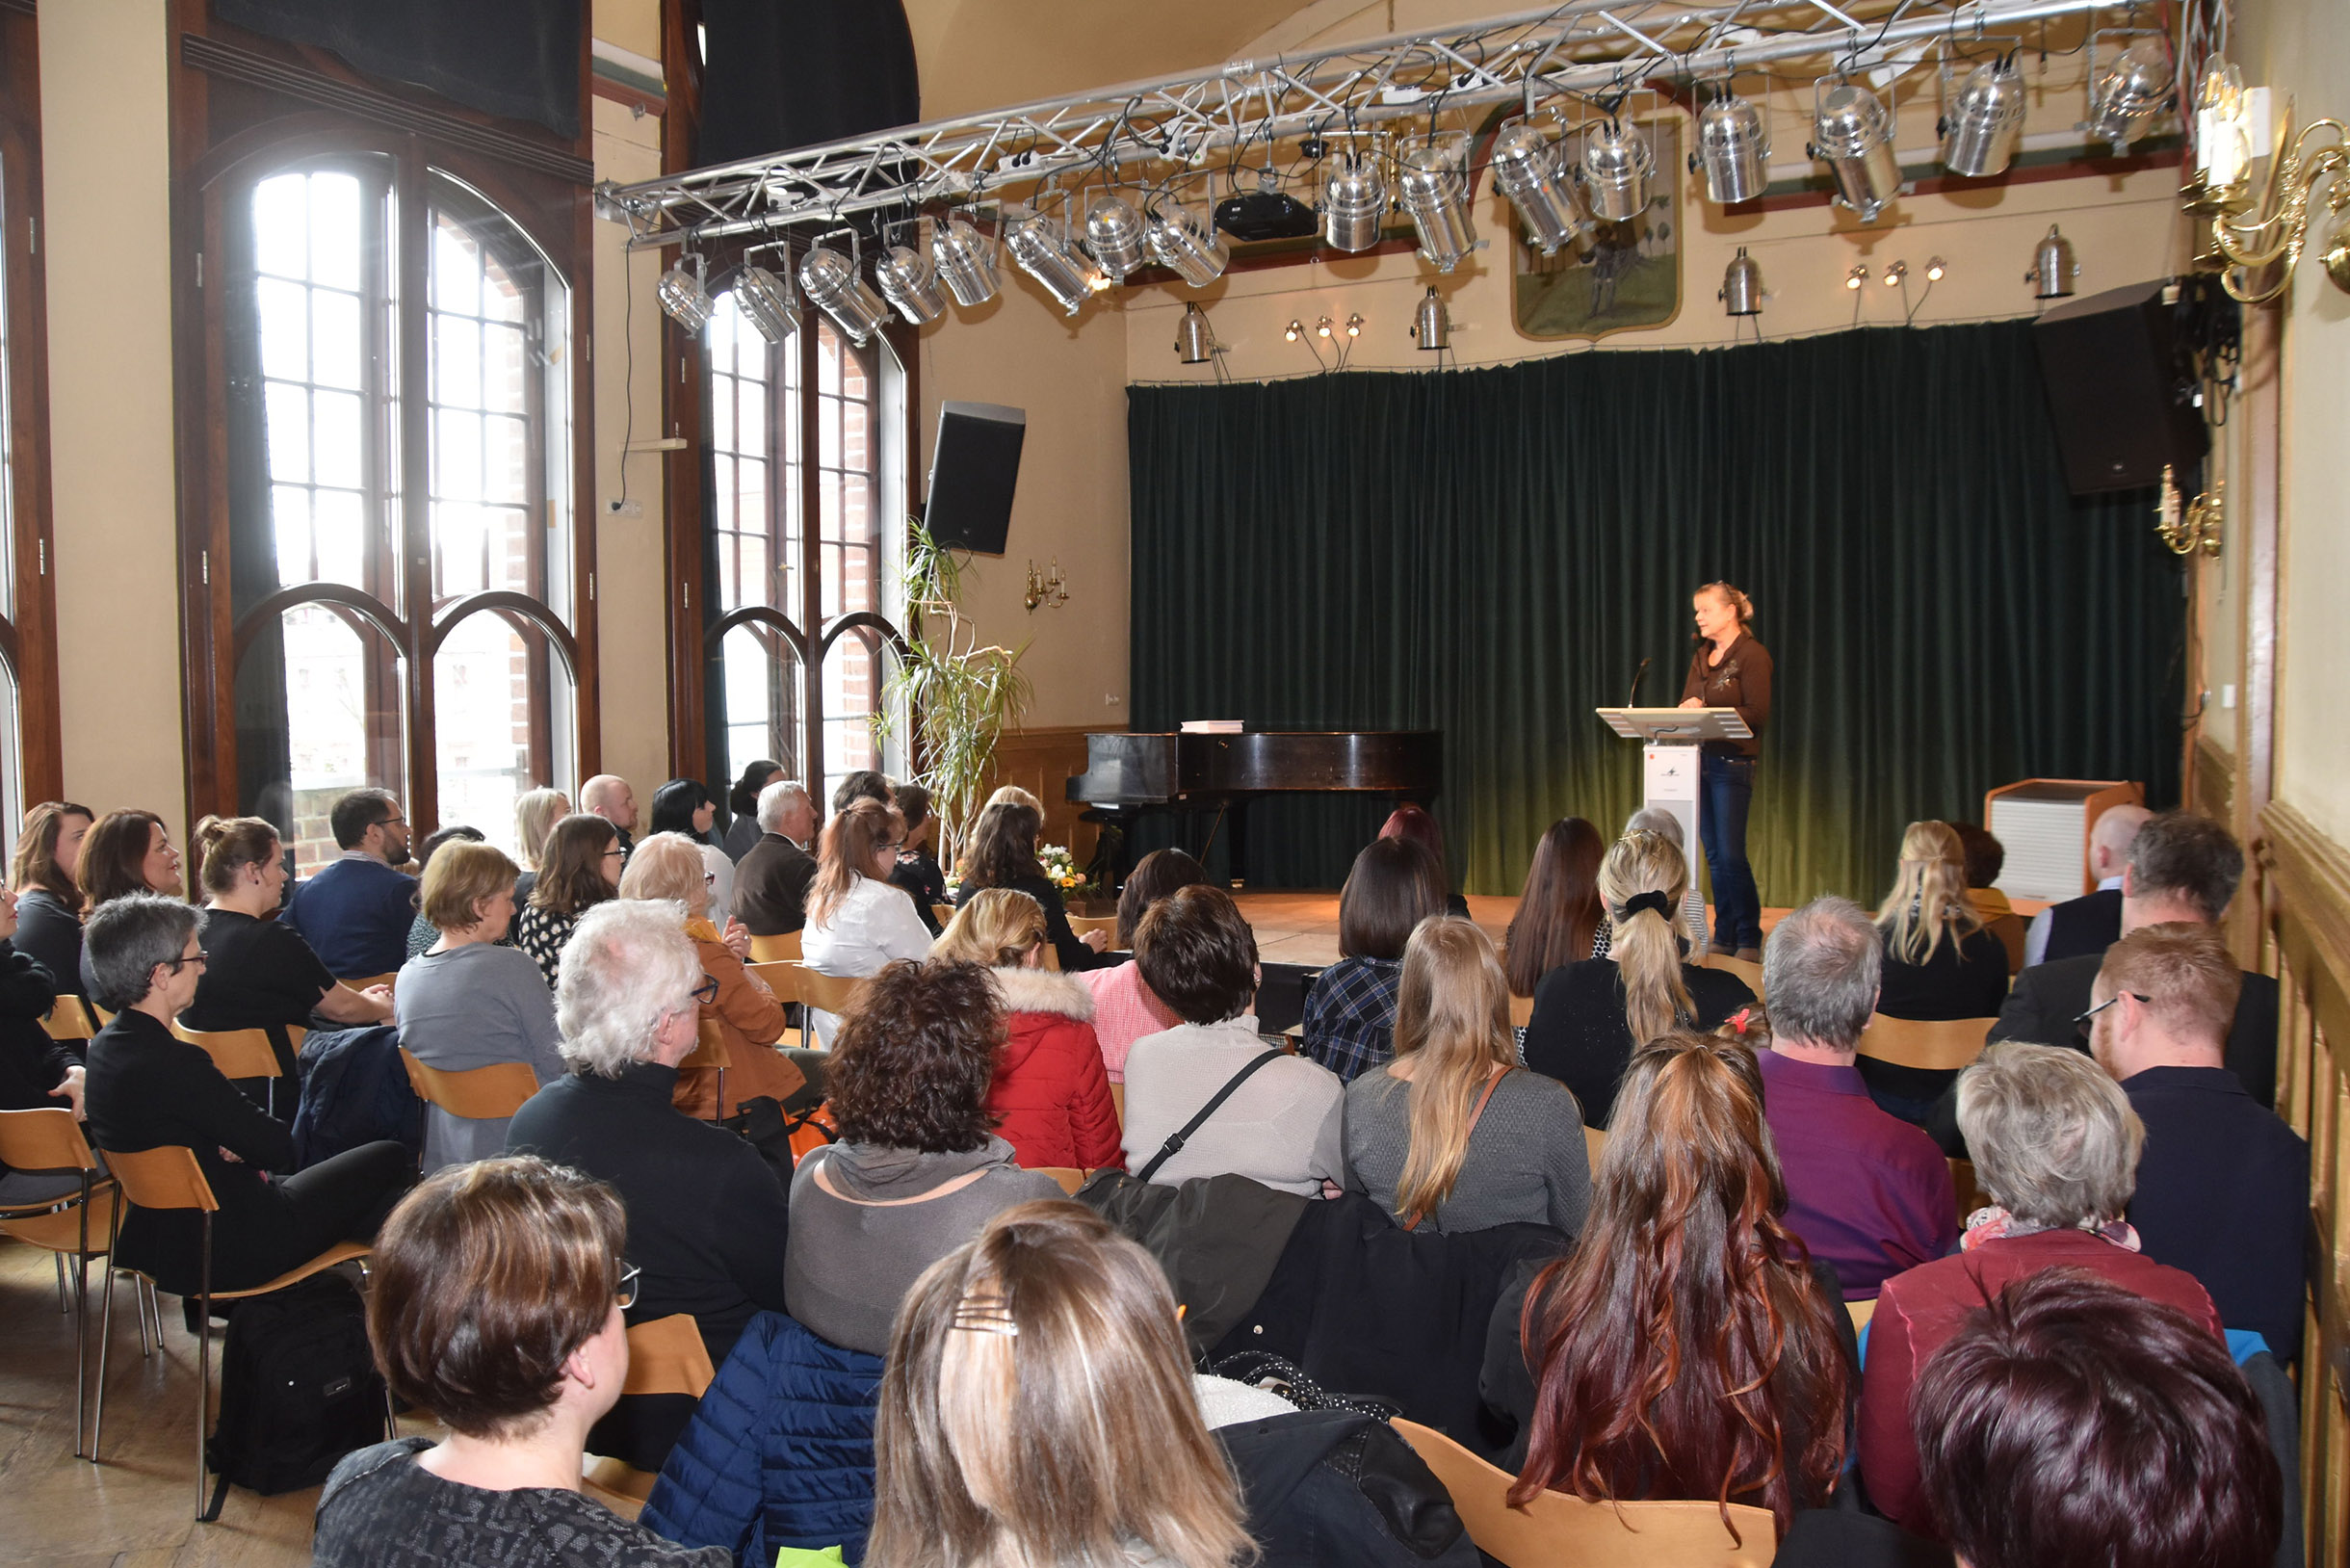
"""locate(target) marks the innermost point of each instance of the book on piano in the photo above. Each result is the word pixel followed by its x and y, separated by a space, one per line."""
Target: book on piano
pixel 1215 726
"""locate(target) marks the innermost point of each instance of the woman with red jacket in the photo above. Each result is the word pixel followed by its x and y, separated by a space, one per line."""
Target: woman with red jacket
pixel 1051 1094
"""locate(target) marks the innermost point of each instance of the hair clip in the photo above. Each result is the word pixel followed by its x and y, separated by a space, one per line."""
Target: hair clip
pixel 1737 1019
pixel 985 1315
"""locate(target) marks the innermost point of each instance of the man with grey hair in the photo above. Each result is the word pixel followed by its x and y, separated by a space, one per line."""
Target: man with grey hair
pixel 1869 1193
pixel 770 891
pixel 707 1219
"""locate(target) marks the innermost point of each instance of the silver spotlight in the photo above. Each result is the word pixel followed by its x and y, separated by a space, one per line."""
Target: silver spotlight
pixel 1979 133
pixel 685 293
pixel 1742 286
pixel 2053 267
pixel 1615 169
pixel 1041 246
pixel 1432 190
pixel 966 262
pixel 1354 200
pixel 1114 234
pixel 766 301
pixel 910 281
pixel 1194 339
pixel 1429 323
pixel 1526 169
pixel 1179 238
pixel 1733 149
pixel 2130 92
pixel 1850 135
pixel 830 281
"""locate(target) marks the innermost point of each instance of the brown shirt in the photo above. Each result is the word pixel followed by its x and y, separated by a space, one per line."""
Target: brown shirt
pixel 1741 681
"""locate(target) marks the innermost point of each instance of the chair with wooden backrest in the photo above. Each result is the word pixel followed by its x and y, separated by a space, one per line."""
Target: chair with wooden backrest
pixel 1559 1527
pixel 1117 1099
pixel 1744 969
pixel 238 1053
pixel 71 1020
pixel 1521 1012
pixel 815 989
pixel 1069 1176
pixel 710 1052
pixel 51 1140
pixel 944 914
pixel 1861 1312
pixel 490 1093
pixel 1595 1144
pixel 664 1357
pixel 1941 1045
pixel 775 950
pixel 169 1177
pixel 1082 924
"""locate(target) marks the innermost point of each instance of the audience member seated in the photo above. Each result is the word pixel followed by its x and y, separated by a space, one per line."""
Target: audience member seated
pixel 535 814
pixel 862 784
pixel 257 972
pixel 149 1089
pixel 1124 1010
pixel 356 911
pixel 857 921
pixel 1559 914
pixel 48 899
pixel 1454 1135
pixel 1986 858
pixel 124 853
pixel 466 1002
pixel 770 896
pixel 1050 1096
pixel 609 796
pixel 685 807
pixel 2069 1422
pixel 1867 1193
pixel 918 870
pixel 1040 1408
pixel 578 869
pixel 1412 825
pixel 1351 1007
pixel 2223 1187
pixel 1658 819
pixel 742 805
pixel 1012 795
pixel 1939 962
pixel 420 931
pixel 916 1172
pixel 495 1304
pixel 1278 1118
pixel 735 1001
pixel 707 1219
pixel 1589 1016
pixel 2182 868
pixel 2092 923
pixel 1002 854
pixel 37 1073
pixel 2056 1152
pixel 1685 1349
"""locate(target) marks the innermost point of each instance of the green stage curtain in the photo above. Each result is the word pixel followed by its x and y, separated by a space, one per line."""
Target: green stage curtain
pixel 1491 553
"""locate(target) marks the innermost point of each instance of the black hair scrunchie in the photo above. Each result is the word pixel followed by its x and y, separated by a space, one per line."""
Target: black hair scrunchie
pixel 1648 900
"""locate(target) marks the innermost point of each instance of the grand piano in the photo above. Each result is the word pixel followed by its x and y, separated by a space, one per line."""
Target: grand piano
pixel 1127 773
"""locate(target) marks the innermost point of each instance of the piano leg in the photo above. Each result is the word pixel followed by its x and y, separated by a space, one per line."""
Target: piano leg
pixel 1239 852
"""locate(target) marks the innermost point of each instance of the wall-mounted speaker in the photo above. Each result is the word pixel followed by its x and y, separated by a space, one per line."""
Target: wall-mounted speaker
pixel 975 468
pixel 2122 405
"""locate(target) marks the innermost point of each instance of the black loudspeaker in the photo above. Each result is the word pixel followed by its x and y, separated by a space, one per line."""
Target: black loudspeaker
pixel 975 467
pixel 2122 406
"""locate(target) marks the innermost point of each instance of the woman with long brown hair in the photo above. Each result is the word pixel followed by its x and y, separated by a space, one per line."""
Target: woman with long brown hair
pixel 1002 854
pixel 1941 961
pixel 49 901
pixel 1688 1349
pixel 1559 914
pixel 579 866
pixel 123 852
pixel 858 920
pixel 1453 1134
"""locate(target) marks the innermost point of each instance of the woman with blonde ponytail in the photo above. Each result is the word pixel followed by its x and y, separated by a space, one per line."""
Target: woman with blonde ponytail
pixel 1453 1134
pixel 1590 1016
pixel 1941 961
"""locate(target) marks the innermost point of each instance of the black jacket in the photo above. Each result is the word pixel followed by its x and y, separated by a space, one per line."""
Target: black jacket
pixel 1963 980
pixel 2048 997
pixel 919 875
pixel 2089 924
pixel 770 891
pixel 1335 1489
pixel 49 930
pixel 31 1063
pixel 1074 954
pixel 1581 1035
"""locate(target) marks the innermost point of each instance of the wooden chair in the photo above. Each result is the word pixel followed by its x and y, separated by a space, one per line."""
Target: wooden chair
pixel 1521 1012
pixel 71 1020
pixel 1749 972
pixel 1944 1045
pixel 710 1052
pixel 1052 957
pixel 1117 1098
pixel 775 950
pixel 1862 1312
pixel 664 1357
pixel 170 1178
pixel 1069 1176
pixel 1595 1144
pixel 1559 1527
pixel 238 1053
pixel 51 1140
pixel 944 914
pixel 830 992
pixel 1082 924
pixel 490 1093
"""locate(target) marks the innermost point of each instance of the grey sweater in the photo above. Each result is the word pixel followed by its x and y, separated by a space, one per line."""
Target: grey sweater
pixel 1527 1159
pixel 852 1258
pixel 469 1007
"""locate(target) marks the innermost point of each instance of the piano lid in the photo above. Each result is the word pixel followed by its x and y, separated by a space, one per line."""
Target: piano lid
pixel 1132 768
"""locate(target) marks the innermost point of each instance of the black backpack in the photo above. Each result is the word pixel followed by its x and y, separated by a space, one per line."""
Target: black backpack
pixel 299 1389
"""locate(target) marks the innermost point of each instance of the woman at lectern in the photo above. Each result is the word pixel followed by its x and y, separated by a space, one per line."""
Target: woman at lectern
pixel 1729 670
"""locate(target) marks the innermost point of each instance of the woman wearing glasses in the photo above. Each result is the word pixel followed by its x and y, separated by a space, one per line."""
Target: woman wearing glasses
pixel 736 1005
pixel 579 868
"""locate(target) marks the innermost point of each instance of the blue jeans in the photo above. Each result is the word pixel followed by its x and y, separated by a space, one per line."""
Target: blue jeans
pixel 1726 792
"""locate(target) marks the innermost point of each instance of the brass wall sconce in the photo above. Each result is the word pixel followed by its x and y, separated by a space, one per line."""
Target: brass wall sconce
pixel 1046 589
pixel 2251 232
pixel 2192 525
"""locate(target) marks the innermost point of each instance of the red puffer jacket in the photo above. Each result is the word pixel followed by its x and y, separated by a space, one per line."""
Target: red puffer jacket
pixel 1051 1093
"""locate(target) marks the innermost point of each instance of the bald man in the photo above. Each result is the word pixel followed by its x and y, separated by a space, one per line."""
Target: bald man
pixel 608 796
pixel 2093 922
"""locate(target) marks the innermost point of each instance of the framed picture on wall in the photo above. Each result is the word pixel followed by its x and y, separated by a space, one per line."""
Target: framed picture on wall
pixel 1617 278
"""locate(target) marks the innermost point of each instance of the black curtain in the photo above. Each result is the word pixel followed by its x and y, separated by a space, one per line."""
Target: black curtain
pixel 1491 553
pixel 779 74
pixel 516 58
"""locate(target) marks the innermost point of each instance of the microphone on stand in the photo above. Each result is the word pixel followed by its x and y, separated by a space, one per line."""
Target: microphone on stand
pixel 1638 676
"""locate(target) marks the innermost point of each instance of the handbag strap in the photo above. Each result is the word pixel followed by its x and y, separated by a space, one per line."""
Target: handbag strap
pixel 1491 1084
pixel 1183 1134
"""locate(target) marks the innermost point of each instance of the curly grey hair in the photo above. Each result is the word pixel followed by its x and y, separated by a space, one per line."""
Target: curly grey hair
pixel 628 966
pixel 2054 1139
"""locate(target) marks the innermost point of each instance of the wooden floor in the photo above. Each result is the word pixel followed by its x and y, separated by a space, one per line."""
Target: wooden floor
pixel 1302 927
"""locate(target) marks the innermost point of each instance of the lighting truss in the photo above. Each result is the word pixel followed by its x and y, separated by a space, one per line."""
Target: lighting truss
pixel 1598 49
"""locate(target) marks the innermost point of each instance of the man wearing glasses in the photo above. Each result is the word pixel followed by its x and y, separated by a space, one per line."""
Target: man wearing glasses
pixel 356 912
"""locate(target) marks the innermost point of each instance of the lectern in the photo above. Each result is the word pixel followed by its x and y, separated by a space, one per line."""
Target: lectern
pixel 1670 737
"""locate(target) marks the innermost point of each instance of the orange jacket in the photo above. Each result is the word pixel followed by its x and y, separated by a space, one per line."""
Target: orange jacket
pixel 751 1019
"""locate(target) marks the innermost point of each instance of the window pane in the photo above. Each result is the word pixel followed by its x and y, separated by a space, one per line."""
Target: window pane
pixel 318 715
pixel 9 761
pixel 852 691
pixel 762 709
pixel 339 339
pixel 12 747
pixel 501 712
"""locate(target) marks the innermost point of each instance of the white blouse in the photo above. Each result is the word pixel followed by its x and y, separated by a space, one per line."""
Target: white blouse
pixel 870 928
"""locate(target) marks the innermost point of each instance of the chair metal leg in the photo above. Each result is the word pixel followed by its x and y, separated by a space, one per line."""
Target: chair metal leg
pixel 150 1318
pixel 81 1322
pixel 106 1325
pixel 62 1306
pixel 203 1369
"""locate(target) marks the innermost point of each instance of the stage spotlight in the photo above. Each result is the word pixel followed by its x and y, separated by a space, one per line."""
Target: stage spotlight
pixel 1614 170
pixel 1850 136
pixel 1859 274
pixel 1897 275
pixel 1322 327
pixel 1429 323
pixel 684 295
pixel 2130 92
pixel 830 281
pixel 1041 246
pixel 1935 267
pixel 766 301
pixel 1434 191
pixel 966 262
pixel 910 282
pixel 1179 238
pixel 1733 148
pixel 1295 331
pixel 1113 233
pixel 1526 170
pixel 1354 324
pixel 2053 267
pixel 1978 135
pixel 1194 339
pixel 1354 199
pixel 1742 286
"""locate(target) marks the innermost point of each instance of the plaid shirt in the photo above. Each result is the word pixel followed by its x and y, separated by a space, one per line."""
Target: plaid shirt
pixel 1350 1016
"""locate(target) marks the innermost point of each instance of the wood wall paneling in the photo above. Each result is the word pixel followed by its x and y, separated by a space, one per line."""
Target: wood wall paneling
pixel 1042 762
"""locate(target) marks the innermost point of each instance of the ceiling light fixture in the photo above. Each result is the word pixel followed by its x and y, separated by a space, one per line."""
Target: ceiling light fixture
pixel 683 292
pixel 1897 275
pixel 1935 267
pixel 1294 331
pixel 1354 324
pixel 1614 170
pixel 1859 274
pixel 1733 148
pixel 1041 246
pixel 1429 326
pixel 2053 267
pixel 1435 192
pixel 966 262
pixel 1979 133
pixel 1113 233
pixel 909 280
pixel 1742 286
pixel 1181 240
pixel 1354 201
pixel 1526 170
pixel 1322 327
pixel 2132 92
pixel 1194 339
pixel 765 300
pixel 1850 135
pixel 830 281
